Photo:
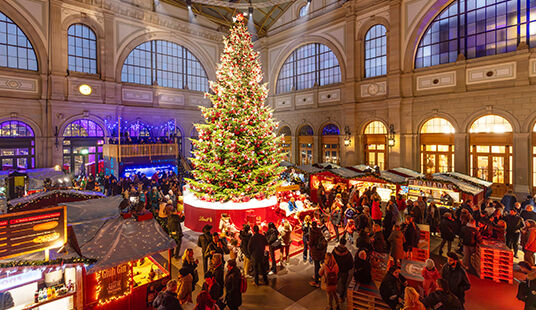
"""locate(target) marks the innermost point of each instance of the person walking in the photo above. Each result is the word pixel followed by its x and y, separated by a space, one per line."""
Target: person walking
pixel 285 232
pixel 336 217
pixel 433 218
pixel 412 300
pixel 396 239
pixel 442 298
pixel 344 260
pixel 430 275
pixel 514 224
pixel 203 242
pixel 329 273
pixel 233 282
pixel 376 212
pixel 447 227
pixel 455 275
pixel 470 238
pixel 256 247
pixel 245 236
pixel 318 245
pixel 272 236
pixel 306 229
pixel 392 288
pixel 167 299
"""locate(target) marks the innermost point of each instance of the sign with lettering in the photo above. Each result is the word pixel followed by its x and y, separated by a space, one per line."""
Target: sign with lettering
pixel 288 188
pixel 32 231
pixel 114 283
pixel 432 184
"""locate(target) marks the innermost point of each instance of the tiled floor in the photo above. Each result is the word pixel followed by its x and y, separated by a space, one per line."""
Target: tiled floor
pixel 289 289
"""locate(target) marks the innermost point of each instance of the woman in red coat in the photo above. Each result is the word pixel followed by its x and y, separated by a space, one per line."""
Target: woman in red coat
pixel 430 275
pixel 376 212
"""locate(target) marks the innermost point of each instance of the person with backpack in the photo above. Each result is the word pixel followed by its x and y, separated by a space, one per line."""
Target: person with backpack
pixel 318 245
pixel 442 298
pixel 344 260
pixel 330 277
pixel 274 243
pixel 233 286
pixel 470 239
pixel 526 291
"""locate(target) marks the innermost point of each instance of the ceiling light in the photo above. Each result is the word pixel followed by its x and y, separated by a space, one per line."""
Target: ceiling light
pixel 250 10
pixel 189 4
pixel 85 89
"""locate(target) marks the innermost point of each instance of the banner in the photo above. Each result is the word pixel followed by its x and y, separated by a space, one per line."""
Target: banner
pixel 114 283
pixel 432 184
pixel 32 231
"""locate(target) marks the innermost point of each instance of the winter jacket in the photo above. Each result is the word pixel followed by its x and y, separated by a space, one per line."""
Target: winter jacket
pixel 364 222
pixel 447 228
pixel 256 247
pixel 324 271
pixel 430 276
pixel 392 289
pixel 411 236
pixel 317 253
pixel 204 240
pixel 362 271
pixel 343 257
pixel 185 289
pixel 285 236
pixel 271 236
pixel 306 228
pixel 470 236
pixel 217 273
pixel 213 247
pixel 528 215
pixel 376 212
pixel 457 279
pixel 174 223
pixel 508 201
pixel 396 239
pixel 233 295
pixel 530 244
pixel 244 242
pixel 441 300
pixel 167 300
pixel 514 223
pixel 336 217
pixel 378 242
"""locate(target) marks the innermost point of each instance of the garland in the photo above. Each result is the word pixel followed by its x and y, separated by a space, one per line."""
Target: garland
pixel 58 261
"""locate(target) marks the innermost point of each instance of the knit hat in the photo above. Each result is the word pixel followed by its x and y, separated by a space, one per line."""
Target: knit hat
pixel 453 255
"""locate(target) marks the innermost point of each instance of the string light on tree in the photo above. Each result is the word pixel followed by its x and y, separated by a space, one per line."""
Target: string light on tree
pixel 237 154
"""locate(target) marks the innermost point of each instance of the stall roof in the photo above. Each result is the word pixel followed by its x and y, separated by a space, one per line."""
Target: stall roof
pixel 327 166
pixel 463 186
pixel 392 177
pixel 407 172
pixel 18 202
pixel 470 179
pixel 285 163
pixel 87 210
pixel 36 176
pixel 346 173
pixel 362 168
pixel 310 169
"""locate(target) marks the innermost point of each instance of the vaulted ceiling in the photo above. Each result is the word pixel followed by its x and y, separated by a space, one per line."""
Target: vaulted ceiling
pixel 264 17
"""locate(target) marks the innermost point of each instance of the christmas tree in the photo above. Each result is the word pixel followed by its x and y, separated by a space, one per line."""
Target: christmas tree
pixel 237 153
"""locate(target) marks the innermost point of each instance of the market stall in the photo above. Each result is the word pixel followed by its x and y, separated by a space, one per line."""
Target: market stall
pixel 329 181
pixel 473 180
pixel 386 183
pixel 50 198
pixel 37 177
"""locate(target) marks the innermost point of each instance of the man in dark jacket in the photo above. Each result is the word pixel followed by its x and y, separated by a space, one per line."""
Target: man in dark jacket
pixel 447 228
pixel 411 234
pixel 174 221
pixel 362 268
pixel 442 298
pixel 233 281
pixel 392 288
pixel 203 242
pixel 514 224
pixel 470 238
pixel 272 236
pixel 526 291
pixel 508 200
pixel 344 260
pixel 216 246
pixel 256 247
pixel 528 213
pixel 318 245
pixel 245 236
pixel 456 277
pixel 167 300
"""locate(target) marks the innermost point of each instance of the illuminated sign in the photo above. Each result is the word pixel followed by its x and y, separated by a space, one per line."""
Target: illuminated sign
pixel 114 283
pixel 20 279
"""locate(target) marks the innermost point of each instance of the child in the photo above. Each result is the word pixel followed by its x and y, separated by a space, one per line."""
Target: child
pixel 430 275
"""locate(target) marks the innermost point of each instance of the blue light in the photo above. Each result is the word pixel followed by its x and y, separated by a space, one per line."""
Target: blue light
pixel 149 170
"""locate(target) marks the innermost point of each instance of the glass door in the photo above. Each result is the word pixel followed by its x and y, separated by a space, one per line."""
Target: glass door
pixel 375 155
pixel 306 154
pixel 493 163
pixel 331 153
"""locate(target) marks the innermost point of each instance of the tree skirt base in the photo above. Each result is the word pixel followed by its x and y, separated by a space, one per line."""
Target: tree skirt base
pixel 199 213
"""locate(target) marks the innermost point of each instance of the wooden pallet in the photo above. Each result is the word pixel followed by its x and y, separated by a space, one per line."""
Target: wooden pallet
pixel 499 270
pixel 365 297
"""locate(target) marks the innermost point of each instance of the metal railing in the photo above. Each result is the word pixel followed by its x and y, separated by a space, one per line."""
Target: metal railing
pixel 140 150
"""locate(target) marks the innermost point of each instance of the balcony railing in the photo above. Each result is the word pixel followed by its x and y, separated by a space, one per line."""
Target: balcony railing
pixel 140 150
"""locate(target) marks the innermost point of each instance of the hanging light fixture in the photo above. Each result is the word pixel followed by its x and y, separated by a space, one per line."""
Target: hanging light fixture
pixel 347 135
pixel 391 138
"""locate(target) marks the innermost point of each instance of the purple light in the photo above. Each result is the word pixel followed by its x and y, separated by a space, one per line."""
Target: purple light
pixel 83 128
pixel 14 129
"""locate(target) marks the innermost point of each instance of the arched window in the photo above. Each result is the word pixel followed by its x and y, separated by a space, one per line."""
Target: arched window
pixel 437 146
pixel 165 64
pixel 139 129
pixel 330 144
pixel 82 147
pixel 287 142
pixel 17 145
pixel 477 28
pixel 309 65
pixel 82 49
pixel 376 51
pixel 305 142
pixel 491 140
pixel 16 51
pixel 376 144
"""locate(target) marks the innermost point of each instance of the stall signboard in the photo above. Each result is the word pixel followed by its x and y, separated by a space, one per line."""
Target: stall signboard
pixel 32 231
pixel 114 283
pixel 289 188
pixel 432 184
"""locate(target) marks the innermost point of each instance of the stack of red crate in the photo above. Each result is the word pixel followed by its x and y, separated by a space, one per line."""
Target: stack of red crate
pixel 493 260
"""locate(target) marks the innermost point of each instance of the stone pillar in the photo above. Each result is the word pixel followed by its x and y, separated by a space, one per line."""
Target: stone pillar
pixel 317 149
pixel 521 164
pixel 462 151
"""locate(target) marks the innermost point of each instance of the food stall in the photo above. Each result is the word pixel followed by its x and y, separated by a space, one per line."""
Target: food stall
pixel 50 198
pixel 386 183
pixel 329 181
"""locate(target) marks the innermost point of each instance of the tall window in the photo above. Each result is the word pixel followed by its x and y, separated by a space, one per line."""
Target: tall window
pixel 437 146
pixel 16 51
pixel 82 147
pixel 82 49
pixel 376 51
pixel 375 144
pixel 477 28
pixel 305 142
pixel 287 142
pixel 17 145
pixel 330 144
pixel 165 64
pixel 309 65
pixel 491 149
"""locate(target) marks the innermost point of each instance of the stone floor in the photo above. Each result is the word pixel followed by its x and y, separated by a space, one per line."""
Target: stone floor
pixel 289 289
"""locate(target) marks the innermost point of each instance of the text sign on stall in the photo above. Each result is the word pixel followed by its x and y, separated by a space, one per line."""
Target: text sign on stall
pixel 432 184
pixel 114 283
pixel 32 231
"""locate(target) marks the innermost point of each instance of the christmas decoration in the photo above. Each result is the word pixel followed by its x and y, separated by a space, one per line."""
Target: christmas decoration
pixel 59 261
pixel 237 154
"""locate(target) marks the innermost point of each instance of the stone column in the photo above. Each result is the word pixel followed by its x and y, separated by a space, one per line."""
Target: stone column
pixel 462 151
pixel 521 164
